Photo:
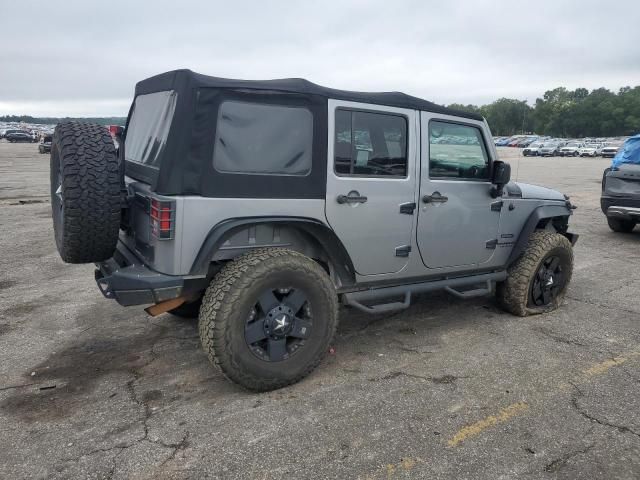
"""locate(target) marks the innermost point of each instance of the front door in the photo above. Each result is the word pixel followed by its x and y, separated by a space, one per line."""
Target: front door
pixel 370 200
pixel 458 220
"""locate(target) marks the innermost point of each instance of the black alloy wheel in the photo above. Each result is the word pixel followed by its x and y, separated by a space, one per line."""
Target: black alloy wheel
pixel 548 281
pixel 278 324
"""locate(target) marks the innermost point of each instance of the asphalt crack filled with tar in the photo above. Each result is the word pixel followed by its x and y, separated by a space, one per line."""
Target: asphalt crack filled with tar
pixel 444 379
pixel 547 332
pixel 558 463
pixel 576 405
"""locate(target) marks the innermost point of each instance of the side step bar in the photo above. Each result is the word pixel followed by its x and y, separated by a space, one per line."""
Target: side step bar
pixel 459 287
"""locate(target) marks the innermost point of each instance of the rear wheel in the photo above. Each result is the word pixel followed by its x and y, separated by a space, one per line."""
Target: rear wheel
pixel 85 192
pixel 537 280
pixel 268 317
pixel 620 225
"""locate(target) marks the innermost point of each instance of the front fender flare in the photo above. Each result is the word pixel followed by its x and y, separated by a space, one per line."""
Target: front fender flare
pixel 540 213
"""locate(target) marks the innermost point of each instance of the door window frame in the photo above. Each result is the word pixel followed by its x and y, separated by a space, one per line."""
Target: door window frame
pixel 407 124
pixel 483 145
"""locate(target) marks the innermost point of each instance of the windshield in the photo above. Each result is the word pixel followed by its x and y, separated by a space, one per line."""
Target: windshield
pixel 536 144
pixel 573 144
pixel 148 127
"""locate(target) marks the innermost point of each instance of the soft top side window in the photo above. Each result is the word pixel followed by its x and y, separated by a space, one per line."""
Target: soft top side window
pixel 263 139
pixel 370 144
pixel 457 151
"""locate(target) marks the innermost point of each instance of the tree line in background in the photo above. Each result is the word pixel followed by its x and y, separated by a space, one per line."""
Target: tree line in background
pixel 566 113
pixel 56 120
pixel 560 113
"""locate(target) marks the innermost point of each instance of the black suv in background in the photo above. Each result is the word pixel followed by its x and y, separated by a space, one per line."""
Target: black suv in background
pixel 18 136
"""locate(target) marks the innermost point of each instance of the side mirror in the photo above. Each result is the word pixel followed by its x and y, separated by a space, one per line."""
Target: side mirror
pixel 500 177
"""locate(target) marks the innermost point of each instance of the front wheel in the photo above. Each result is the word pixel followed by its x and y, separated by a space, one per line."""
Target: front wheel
pixel 538 279
pixel 620 225
pixel 268 317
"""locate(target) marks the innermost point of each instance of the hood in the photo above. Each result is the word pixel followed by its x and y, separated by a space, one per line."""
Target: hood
pixel 539 193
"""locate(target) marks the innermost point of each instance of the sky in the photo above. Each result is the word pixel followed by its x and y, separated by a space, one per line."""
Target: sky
pixel 83 58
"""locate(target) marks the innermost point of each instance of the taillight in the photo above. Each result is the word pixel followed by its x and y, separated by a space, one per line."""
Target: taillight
pixel 163 217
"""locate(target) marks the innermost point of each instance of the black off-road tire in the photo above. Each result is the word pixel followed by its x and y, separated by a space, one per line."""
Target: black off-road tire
pixel 620 225
pixel 85 192
pixel 231 296
pixel 514 294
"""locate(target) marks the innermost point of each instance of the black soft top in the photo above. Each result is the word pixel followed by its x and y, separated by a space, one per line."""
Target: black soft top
pixel 184 164
pixel 183 79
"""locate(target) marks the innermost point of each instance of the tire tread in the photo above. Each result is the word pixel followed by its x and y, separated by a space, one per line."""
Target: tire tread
pixel 226 290
pixel 91 192
pixel 513 293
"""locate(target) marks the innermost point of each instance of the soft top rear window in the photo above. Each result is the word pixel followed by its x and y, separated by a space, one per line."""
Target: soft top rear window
pixel 148 127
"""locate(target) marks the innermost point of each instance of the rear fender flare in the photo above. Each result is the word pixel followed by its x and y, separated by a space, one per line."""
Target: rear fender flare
pixel 320 232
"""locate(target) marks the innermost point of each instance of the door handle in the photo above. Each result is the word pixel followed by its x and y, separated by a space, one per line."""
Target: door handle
pixel 435 197
pixel 351 198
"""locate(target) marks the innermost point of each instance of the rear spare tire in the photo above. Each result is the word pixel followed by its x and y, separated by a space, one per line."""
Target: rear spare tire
pixel 85 192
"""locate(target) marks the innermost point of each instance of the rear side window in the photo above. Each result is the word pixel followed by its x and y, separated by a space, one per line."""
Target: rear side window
pixel 457 151
pixel 148 127
pixel 370 144
pixel 263 139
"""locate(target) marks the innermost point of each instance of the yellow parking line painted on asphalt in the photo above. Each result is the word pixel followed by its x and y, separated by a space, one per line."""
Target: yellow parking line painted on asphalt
pixel 602 367
pixel 478 427
pixel 515 409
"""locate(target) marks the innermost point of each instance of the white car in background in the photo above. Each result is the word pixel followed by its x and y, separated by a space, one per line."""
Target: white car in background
pixel 589 150
pixel 571 149
pixel 610 150
pixel 532 149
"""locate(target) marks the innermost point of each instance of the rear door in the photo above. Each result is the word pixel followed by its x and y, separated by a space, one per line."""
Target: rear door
pixel 458 220
pixel 371 183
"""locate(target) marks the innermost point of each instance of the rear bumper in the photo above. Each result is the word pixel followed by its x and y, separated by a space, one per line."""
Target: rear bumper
pixel 127 280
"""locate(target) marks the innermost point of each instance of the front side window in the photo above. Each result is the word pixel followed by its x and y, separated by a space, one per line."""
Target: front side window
pixel 370 144
pixel 457 151
pixel 148 127
pixel 263 139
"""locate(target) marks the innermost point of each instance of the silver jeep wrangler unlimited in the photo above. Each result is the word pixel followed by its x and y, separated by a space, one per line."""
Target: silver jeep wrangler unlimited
pixel 259 205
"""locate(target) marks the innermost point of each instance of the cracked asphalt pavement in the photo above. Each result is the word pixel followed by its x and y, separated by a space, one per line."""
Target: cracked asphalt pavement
pixel 444 389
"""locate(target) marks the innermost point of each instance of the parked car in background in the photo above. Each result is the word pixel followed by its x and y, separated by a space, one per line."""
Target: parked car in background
pixel 549 149
pixel 525 142
pixel 532 149
pixel 45 144
pixel 571 149
pixel 514 142
pixel 610 150
pixel 504 141
pixel 15 136
pixel 620 200
pixel 589 150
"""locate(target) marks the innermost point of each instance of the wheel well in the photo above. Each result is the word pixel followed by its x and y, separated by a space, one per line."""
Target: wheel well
pixel 545 217
pixel 306 236
pixel 558 224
